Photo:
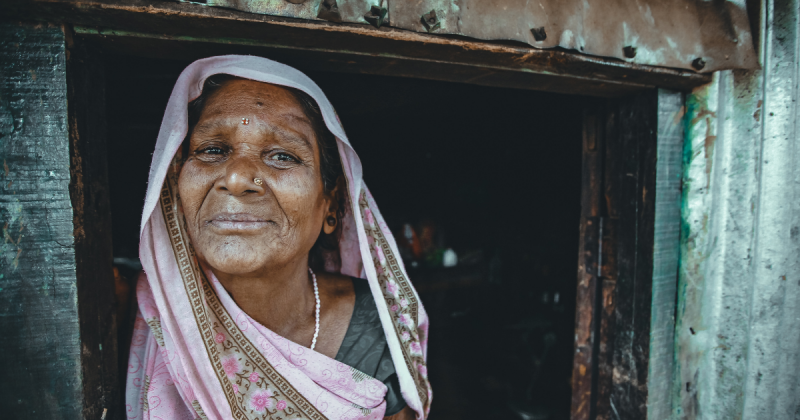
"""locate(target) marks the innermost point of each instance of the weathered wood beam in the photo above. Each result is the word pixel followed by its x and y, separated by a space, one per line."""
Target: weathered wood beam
pixel 92 231
pixel 59 356
pixel 584 371
pixel 616 272
pixel 356 48
pixel 41 350
pixel 630 199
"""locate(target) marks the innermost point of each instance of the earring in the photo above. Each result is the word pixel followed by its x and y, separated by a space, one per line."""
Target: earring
pixel 331 221
pixel 257 181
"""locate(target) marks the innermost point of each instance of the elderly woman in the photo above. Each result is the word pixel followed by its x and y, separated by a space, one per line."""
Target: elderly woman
pixel 272 287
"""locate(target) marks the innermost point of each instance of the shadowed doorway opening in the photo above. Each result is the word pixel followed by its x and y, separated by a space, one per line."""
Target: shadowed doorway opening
pixel 480 186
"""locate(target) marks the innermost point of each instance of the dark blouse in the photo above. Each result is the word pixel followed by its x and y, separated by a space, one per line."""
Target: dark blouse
pixel 364 346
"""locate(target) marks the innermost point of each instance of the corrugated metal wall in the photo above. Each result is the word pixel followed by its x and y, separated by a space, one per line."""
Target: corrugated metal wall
pixel 738 326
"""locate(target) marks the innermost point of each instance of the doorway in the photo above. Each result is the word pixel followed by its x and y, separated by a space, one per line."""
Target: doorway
pixel 491 175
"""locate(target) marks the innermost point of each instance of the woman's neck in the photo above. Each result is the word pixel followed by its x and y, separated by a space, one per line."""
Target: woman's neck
pixel 281 299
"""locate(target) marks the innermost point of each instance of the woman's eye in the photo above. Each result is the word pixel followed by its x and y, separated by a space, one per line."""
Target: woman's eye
pixel 283 157
pixel 212 151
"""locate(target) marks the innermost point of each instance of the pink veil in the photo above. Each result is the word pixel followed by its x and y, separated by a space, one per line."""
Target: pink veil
pixel 195 354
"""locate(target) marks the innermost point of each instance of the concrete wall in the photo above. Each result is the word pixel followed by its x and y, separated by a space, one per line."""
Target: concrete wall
pixel 738 316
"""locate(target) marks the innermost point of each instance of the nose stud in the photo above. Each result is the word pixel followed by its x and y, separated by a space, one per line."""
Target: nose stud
pixel 258 181
pixel 245 121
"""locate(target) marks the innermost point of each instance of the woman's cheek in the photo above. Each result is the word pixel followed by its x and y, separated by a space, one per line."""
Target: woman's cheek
pixel 191 186
pixel 296 190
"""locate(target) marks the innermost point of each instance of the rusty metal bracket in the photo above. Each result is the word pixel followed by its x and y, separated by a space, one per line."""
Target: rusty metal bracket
pixel 329 10
pixel 377 16
pixel 430 21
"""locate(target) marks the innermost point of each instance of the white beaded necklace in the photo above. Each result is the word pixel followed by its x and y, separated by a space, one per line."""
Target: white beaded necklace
pixel 316 313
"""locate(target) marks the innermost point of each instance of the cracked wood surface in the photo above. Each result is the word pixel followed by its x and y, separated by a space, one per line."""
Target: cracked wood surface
pixel 38 299
pixel 56 286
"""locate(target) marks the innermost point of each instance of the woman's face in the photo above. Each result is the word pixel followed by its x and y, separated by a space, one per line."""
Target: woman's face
pixel 251 130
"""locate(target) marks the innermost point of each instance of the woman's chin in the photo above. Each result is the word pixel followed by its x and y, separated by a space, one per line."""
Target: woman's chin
pixel 234 266
pixel 236 260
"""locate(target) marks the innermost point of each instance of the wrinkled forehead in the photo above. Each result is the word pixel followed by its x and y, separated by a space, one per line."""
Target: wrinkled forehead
pixel 237 97
pixel 263 70
pixel 233 86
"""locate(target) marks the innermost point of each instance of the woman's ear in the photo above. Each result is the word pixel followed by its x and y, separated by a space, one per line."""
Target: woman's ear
pixel 334 211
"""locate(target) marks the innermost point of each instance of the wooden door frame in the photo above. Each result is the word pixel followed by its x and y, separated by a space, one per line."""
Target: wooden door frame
pixel 351 47
pixel 622 144
pixel 628 256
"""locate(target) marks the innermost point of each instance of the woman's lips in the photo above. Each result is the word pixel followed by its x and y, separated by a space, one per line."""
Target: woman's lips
pixel 241 222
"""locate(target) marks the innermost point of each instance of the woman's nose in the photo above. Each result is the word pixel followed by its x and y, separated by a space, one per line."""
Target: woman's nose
pixel 242 177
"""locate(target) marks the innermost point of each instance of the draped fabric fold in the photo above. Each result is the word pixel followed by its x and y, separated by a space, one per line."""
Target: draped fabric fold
pixel 196 354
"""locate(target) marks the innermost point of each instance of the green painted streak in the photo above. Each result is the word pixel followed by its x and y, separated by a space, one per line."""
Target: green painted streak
pixel 696 104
